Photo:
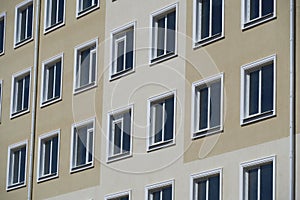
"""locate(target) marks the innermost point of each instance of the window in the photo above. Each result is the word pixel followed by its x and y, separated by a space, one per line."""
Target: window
pixel 257 11
pixel 207 185
pixel 1 88
pixel 85 66
pixel 161 120
pixel 161 191
pixel 2 32
pixel 208 21
pixel 86 6
pixel 54 14
pixel 48 156
pixel 207 106
pixel 119 133
pixel 119 196
pixel 23 23
pixel 259 179
pixel 164 27
pixel 122 50
pixel 16 165
pixel 82 145
pixel 20 93
pixel 258 90
pixel 51 80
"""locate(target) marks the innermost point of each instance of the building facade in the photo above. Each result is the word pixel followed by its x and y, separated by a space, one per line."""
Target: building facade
pixel 158 100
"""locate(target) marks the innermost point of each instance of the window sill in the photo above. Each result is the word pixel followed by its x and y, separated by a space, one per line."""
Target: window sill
pixel 258 21
pixel 206 132
pixel 50 101
pixel 82 13
pixel 84 88
pixel 162 58
pixel 53 27
pixel 19 113
pixel 23 42
pixel 208 40
pixel 118 157
pixel 121 74
pixel 15 186
pixel 47 177
pixel 81 167
pixel 160 145
pixel 257 117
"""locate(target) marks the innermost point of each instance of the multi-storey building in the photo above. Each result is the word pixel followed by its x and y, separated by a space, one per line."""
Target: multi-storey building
pixel 154 100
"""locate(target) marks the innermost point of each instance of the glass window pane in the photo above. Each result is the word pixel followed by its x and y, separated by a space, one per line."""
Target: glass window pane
pixel 203 115
pixel 30 15
pixel 16 165
pixel 215 106
pixel 171 26
pixel 267 88
pixel 252 184
pixel 214 188
pixel 266 185
pixel 23 24
pixel 161 36
pixel 1 35
pixel 84 67
pixel 205 15
pixel 120 55
pixel 169 118
pixel 26 94
pixel 126 131
pixel 158 113
pixel 267 7
pixel 124 198
pixel 19 88
pixel 61 10
pixel 216 17
pixel 254 92
pixel 23 161
pixel 81 146
pixel 167 193
pixel 201 190
pixel 254 9
pixel 90 147
pixel 87 4
pixel 156 195
pixel 50 82
pixel 54 154
pixel 117 138
pixel 47 146
pixel 93 66
pixel 129 49
pixel 58 79
pixel 53 12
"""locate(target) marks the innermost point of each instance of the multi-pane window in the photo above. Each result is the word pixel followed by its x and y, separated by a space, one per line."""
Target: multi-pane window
pixel 23 22
pixel 54 13
pixel 161 120
pixel 48 156
pixel 82 145
pixel 122 51
pixel 258 89
pixel 2 32
pixel 20 93
pixel 16 170
pixel 258 180
pixel 84 6
pixel 85 66
pixel 164 33
pixel 207 105
pixel 119 196
pixel 207 185
pixel 257 11
pixel 162 191
pixel 119 135
pixel 51 80
pixel 208 22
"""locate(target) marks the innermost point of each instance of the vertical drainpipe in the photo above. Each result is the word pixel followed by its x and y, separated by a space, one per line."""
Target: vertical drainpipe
pixel 292 100
pixel 34 97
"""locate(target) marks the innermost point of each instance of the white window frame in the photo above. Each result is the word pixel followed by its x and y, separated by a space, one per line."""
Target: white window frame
pixel 50 28
pixel 77 50
pixel 163 143
pixel 211 38
pixel 205 83
pixel 80 13
pixel 121 155
pixel 118 195
pixel 205 175
pixel 158 186
pixel 90 164
pixel 55 59
pixel 244 118
pixel 24 4
pixel 113 74
pixel 1 93
pixel 153 33
pixel 3 16
pixel 245 20
pixel 254 163
pixel 46 136
pixel 11 148
pixel 15 76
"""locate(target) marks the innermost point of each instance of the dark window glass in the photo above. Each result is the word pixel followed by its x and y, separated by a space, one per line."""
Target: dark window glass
pixel 267 7
pixel 254 93
pixel 117 138
pixel 266 186
pixel 267 88
pixel 129 50
pixel 201 190
pixel 254 9
pixel 1 35
pixel 160 36
pixel 205 18
pixel 214 188
pixel 216 16
pixel 252 184
pixel 215 106
pixel 171 25
pixel 169 118
pixel 167 193
pixel 203 118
